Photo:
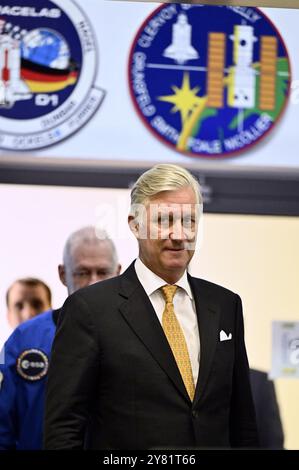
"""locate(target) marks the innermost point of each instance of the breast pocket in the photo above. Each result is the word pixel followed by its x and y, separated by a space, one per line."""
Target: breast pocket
pixel 224 358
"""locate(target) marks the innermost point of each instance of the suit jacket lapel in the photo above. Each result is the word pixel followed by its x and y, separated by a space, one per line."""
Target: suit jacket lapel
pixel 140 315
pixel 208 325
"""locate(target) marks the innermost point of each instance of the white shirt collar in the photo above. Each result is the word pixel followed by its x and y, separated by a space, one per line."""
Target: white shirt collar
pixel 151 282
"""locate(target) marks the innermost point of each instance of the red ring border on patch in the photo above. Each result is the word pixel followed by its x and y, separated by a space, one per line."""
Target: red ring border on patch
pixel 209 81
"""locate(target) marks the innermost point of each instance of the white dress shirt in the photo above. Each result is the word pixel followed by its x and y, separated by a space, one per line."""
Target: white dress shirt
pixel 184 308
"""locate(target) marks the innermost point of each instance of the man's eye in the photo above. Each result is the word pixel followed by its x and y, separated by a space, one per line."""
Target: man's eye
pixel 159 220
pixel 37 304
pixel 164 220
pixel 102 273
pixel 188 221
pixel 81 274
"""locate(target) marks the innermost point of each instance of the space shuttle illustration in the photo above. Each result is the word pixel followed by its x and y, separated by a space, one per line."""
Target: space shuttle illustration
pixel 181 49
pixel 12 87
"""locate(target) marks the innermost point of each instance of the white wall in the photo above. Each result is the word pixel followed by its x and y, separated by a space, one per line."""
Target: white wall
pixel 35 222
pixel 258 257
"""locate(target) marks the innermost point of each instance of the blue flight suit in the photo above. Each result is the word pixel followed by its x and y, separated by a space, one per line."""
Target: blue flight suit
pixel 22 382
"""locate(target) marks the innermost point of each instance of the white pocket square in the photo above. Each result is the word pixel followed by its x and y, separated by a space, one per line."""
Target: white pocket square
pixel 224 336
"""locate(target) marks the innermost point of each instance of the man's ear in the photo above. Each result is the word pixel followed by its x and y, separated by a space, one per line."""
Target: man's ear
pixel 10 319
pixel 61 272
pixel 134 225
pixel 118 269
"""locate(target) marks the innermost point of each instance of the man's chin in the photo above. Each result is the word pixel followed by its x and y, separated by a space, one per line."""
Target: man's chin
pixel 176 260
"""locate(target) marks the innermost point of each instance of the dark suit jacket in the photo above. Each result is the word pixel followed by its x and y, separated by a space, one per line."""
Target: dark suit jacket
pixel 267 412
pixel 113 371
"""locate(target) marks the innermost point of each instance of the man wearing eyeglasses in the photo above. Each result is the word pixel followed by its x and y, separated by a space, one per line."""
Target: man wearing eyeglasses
pixel 88 257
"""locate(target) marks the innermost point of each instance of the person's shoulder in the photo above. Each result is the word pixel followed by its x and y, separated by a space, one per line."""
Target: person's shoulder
pixel 35 323
pixel 258 375
pixel 212 288
pixel 29 327
pixel 27 331
pixel 101 289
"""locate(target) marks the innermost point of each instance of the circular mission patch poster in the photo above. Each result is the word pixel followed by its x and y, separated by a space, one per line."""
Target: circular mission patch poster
pixel 48 72
pixel 209 80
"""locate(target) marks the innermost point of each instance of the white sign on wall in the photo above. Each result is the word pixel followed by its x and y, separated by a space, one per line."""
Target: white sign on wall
pixel 285 349
pixel 74 66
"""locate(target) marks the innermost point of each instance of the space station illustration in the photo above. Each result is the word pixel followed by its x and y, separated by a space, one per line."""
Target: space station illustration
pixel 242 75
pixel 241 81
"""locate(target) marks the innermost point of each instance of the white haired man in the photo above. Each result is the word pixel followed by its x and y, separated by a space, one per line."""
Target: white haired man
pixel 86 260
pixel 154 358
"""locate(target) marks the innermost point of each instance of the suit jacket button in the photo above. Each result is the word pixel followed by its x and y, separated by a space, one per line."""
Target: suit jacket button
pixel 195 414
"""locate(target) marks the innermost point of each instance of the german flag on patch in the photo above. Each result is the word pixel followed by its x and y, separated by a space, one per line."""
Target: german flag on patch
pixel 42 79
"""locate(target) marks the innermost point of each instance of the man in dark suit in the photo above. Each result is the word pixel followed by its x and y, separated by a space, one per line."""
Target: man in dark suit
pixel 268 419
pixel 88 256
pixel 154 357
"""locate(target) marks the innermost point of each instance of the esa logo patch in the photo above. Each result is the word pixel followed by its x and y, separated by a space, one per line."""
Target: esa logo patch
pixel 32 364
pixel 48 68
pixel 209 80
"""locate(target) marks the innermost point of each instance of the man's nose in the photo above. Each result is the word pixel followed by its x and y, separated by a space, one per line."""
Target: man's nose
pixel 179 232
pixel 28 312
pixel 95 277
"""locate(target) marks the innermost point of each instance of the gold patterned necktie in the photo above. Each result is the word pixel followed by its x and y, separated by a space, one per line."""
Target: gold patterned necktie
pixel 176 339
